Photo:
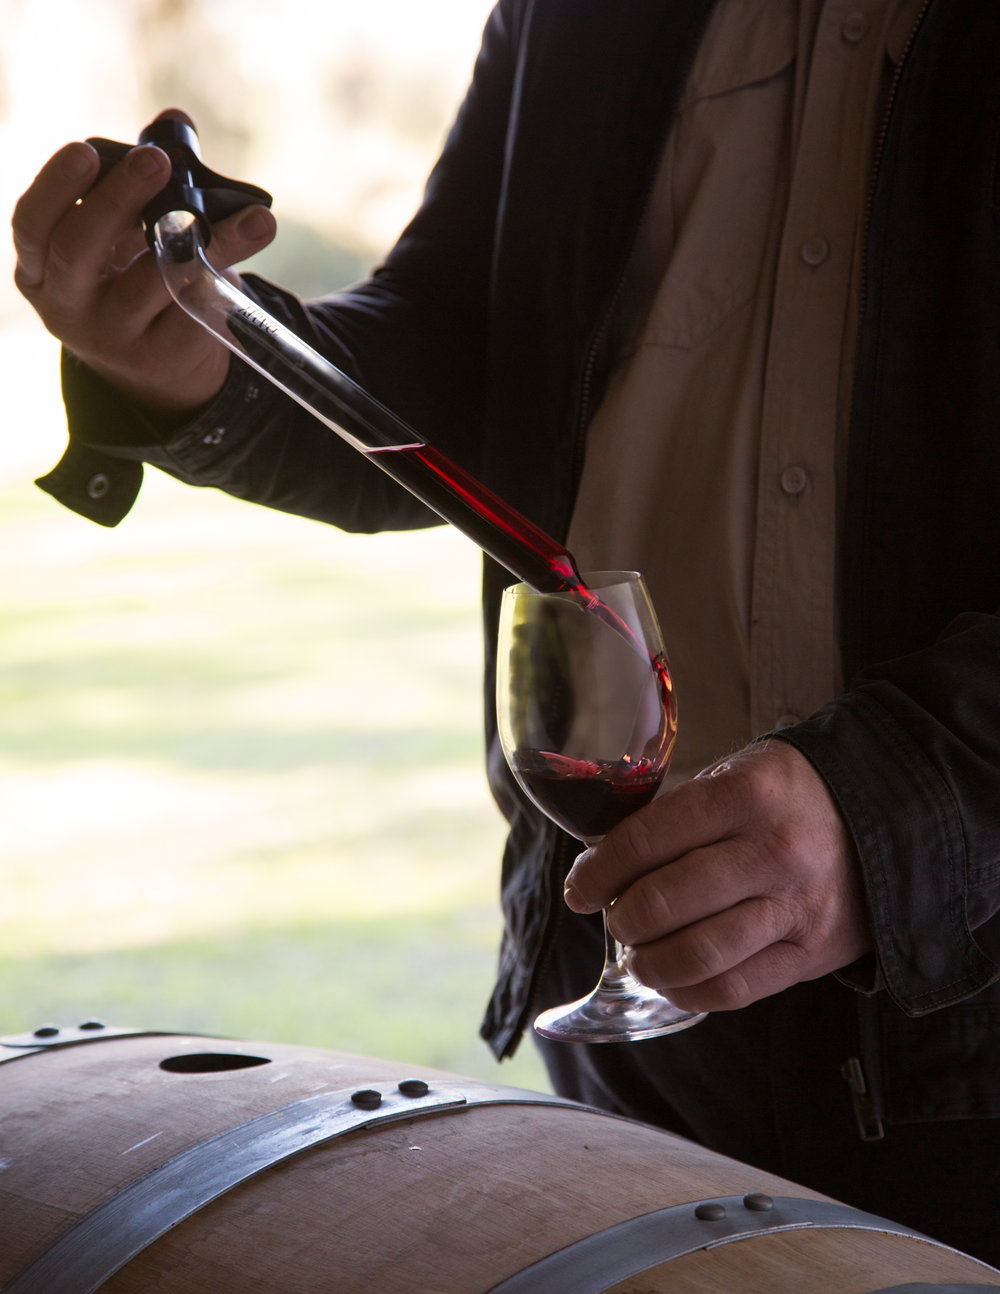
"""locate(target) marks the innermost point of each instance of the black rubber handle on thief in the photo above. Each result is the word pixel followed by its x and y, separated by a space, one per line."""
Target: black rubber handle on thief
pixel 192 186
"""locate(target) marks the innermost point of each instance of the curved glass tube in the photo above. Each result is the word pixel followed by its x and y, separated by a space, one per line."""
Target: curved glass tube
pixel 267 345
pixel 346 408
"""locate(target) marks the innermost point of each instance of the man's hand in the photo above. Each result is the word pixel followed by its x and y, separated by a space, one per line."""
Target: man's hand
pixel 731 886
pixel 83 264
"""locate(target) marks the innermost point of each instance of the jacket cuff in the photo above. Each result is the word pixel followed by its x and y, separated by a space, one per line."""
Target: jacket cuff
pixel 94 484
pixel 910 841
pixel 100 474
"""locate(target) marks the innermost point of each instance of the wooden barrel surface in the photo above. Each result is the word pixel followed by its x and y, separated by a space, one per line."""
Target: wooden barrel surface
pixel 161 1163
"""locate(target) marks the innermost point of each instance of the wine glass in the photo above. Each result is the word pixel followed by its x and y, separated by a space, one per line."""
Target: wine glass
pixel 588 720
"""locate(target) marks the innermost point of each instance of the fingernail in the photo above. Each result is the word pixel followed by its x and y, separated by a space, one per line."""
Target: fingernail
pixel 254 224
pixel 574 899
pixel 145 162
pixel 79 160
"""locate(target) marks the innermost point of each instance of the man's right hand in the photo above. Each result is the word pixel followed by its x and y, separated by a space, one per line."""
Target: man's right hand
pixel 83 264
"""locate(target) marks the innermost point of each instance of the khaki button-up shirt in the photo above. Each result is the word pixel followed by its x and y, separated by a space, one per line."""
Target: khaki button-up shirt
pixel 714 463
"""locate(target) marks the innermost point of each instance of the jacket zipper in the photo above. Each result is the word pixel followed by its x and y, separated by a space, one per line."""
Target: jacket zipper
pixel 878 155
pixel 863 1073
pixel 864 1081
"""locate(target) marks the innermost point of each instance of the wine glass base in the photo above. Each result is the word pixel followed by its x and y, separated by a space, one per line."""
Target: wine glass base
pixel 619 1015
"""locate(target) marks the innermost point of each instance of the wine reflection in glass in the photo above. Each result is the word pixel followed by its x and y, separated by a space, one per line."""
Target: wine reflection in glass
pixel 588 720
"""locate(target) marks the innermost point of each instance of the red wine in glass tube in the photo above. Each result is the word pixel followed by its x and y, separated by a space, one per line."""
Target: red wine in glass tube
pixel 497 528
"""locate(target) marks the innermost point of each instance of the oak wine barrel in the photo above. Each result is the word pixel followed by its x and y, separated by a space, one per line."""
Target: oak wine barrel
pixel 134 1162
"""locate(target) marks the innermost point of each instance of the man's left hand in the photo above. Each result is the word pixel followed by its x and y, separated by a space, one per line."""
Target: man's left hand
pixel 732 886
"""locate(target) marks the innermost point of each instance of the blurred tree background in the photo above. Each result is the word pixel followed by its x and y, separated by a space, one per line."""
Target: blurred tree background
pixel 241 786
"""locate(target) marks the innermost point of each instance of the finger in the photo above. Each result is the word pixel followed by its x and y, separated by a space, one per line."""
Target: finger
pixel 687 817
pixel 771 970
pixel 82 243
pixel 708 949
pixel 61 182
pixel 133 298
pixel 241 236
pixel 699 885
pixel 138 297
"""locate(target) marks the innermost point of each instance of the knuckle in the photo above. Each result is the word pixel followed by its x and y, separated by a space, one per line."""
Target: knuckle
pixel 732 991
pixel 646 966
pixel 61 252
pixel 729 792
pixel 702 958
pixel 642 914
pixel 19 225
pixel 796 918
pixel 25 283
pixel 636 836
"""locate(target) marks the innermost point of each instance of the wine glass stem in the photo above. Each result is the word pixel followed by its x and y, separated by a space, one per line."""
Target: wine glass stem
pixel 615 975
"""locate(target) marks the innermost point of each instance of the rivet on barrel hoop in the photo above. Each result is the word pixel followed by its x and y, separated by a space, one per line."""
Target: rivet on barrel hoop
pixel 710 1211
pixel 758 1202
pixel 46 1031
pixel 367 1099
pixel 413 1087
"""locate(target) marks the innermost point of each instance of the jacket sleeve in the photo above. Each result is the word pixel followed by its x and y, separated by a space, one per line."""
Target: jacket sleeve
pixel 912 756
pixel 413 335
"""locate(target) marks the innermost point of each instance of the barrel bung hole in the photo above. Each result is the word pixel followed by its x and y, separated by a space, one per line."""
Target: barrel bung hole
pixel 211 1062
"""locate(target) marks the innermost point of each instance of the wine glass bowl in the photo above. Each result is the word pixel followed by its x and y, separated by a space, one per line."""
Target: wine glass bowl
pixel 587 718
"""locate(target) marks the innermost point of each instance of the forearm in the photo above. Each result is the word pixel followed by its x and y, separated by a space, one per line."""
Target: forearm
pixel 251 442
pixel 414 336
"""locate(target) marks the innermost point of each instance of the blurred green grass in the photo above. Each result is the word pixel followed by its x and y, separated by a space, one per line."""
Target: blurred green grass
pixel 241 787
pixel 241 783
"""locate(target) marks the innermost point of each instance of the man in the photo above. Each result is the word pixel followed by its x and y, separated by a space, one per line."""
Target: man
pixel 712 290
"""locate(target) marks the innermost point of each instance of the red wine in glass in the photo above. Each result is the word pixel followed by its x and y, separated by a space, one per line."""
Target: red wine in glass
pixel 586 797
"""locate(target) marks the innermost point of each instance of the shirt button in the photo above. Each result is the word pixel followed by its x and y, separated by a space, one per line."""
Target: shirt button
pixel 855 28
pixel 794 479
pixel 815 251
pixel 98 486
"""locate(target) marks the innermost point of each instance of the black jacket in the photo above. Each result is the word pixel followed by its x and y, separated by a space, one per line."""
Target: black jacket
pixel 483 330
